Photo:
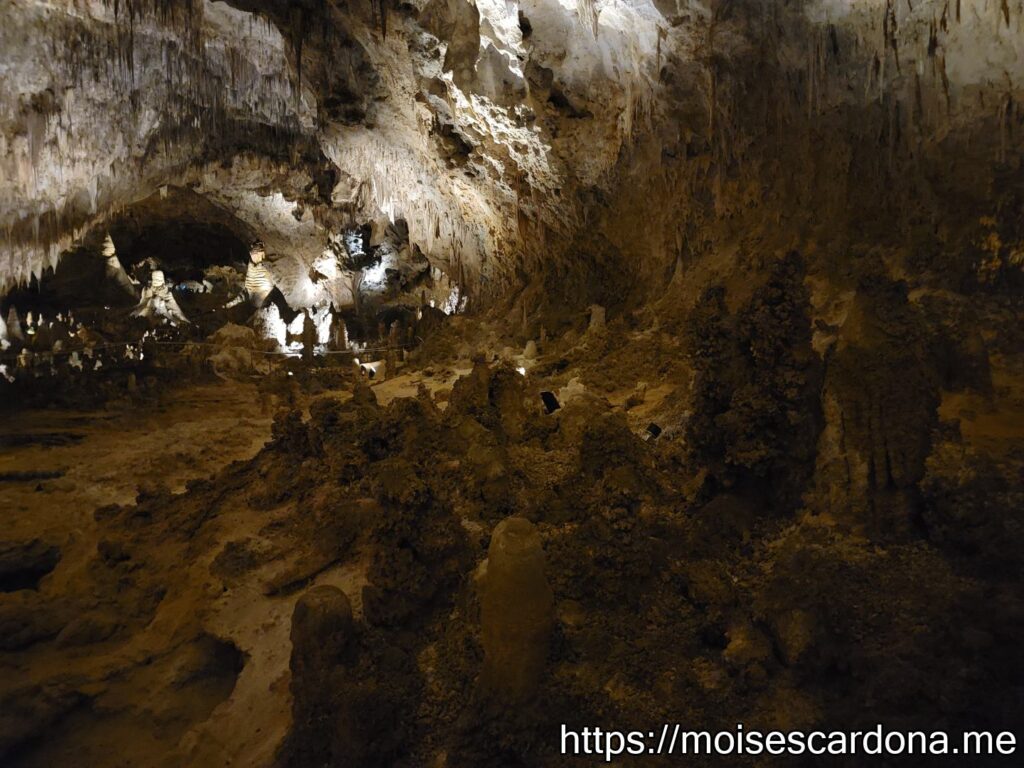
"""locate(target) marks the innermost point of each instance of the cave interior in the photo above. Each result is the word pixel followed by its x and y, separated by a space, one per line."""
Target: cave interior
pixel 404 383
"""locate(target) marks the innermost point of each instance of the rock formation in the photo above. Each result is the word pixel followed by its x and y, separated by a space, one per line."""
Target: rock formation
pixel 516 612
pixel 157 302
pixel 114 270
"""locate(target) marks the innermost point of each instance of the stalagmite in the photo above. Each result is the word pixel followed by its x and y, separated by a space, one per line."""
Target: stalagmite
pixel 309 337
pixel 516 611
pixel 115 270
pixel 258 280
pixel 158 302
pixel 14 329
pixel 321 631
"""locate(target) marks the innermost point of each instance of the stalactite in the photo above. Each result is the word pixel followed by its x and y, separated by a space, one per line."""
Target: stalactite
pixel 890 27
pixel 382 8
pixel 588 13
pixel 197 93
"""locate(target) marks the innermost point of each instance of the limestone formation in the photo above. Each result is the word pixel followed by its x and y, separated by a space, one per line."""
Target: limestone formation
pixel 13 326
pixel 516 611
pixel 258 280
pixel 158 303
pixel 322 628
pixel 115 273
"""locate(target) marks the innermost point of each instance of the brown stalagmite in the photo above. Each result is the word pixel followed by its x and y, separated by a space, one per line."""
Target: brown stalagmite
pixel 517 611
pixel 322 629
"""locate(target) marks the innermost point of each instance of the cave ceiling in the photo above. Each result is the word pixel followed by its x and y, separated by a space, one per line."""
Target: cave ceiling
pixel 510 137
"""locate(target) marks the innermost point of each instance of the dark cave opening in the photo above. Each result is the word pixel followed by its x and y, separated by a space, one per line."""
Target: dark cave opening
pixel 22 566
pixel 180 233
pixel 551 403
pixel 183 249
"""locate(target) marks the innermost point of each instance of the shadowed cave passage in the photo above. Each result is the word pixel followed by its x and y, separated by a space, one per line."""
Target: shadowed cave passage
pixel 181 233
pixel 399 384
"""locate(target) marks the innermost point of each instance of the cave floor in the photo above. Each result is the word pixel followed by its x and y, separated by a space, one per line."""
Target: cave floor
pixel 179 666
pixel 166 626
pixel 102 456
pixel 79 462
pixel 204 679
